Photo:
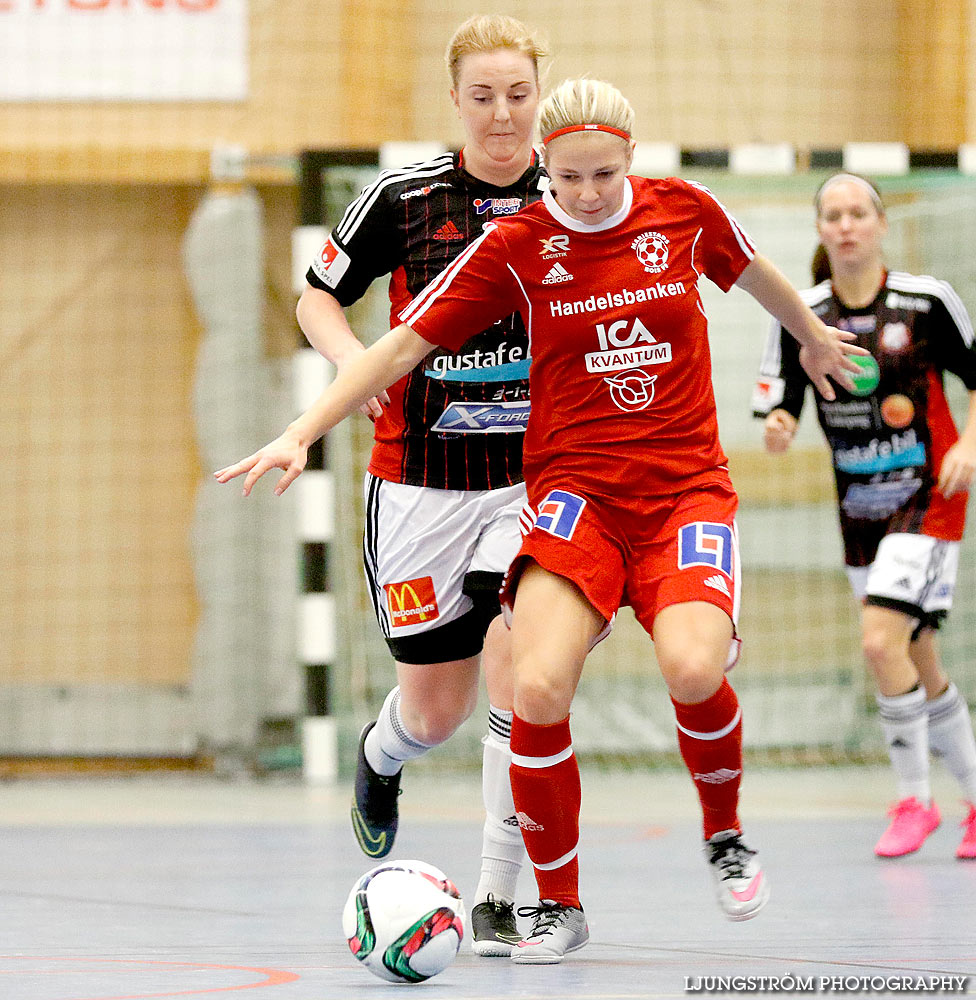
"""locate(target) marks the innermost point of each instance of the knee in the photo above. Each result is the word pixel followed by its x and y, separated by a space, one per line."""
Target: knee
pixel 541 698
pixel 877 648
pixel 436 721
pixel 693 678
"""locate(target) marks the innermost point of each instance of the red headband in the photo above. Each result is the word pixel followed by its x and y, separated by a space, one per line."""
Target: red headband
pixel 585 128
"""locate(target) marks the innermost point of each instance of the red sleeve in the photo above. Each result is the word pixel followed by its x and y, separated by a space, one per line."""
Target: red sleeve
pixel 724 250
pixel 469 295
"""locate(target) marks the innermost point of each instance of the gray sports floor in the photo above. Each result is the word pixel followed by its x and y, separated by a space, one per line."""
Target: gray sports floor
pixel 177 887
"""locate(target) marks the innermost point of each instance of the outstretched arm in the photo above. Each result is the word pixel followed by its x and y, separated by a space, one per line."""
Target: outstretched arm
pixel 824 350
pixel 365 375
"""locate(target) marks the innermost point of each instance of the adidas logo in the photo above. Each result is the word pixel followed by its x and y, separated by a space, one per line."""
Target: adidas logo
pixel 899 744
pixel 511 821
pixel 449 232
pixel 718 777
pixel 556 274
pixel 904 583
pixel 527 823
pixel 718 583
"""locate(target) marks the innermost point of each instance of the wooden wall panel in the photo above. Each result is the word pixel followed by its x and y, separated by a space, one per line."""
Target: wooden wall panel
pixel 100 470
pixel 707 74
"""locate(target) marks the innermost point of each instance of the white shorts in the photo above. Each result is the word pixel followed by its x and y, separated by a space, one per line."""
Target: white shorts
pixel 911 573
pixel 427 552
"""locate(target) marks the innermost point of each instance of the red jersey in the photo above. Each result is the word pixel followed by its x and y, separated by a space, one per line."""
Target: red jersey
pixel 620 379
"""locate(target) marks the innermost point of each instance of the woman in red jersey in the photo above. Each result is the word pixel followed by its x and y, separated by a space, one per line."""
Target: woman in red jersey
pixel 902 474
pixel 629 494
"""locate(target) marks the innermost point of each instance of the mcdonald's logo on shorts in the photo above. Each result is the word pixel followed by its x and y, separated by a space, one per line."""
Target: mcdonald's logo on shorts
pixel 412 602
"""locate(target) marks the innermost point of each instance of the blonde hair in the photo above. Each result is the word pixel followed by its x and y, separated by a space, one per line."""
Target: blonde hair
pixel 585 102
pixel 488 32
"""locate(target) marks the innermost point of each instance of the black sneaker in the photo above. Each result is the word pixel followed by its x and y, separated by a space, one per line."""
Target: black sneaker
pixel 493 929
pixel 374 805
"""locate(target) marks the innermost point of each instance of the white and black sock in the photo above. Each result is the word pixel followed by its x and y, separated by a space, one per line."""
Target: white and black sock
pixel 389 743
pixel 951 738
pixel 904 722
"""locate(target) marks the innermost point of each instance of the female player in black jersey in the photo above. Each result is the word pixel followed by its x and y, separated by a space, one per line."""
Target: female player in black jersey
pixel 902 474
pixel 444 486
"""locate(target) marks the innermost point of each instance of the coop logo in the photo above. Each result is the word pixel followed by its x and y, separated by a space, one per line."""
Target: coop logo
pixel 632 390
pixel 330 264
pixel 555 246
pixel 411 602
pixel 626 344
pixel 652 251
pixel 559 513
pixel 420 192
pixel 910 302
pixel 705 543
pixel 497 206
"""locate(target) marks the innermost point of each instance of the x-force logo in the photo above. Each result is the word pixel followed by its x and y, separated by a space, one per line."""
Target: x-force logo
pixel 555 246
pixel 631 390
pixel 411 602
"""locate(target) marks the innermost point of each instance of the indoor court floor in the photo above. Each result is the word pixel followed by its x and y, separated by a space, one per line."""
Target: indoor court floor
pixel 192 887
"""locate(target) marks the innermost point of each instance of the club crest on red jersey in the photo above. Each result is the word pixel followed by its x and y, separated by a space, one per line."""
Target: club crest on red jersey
pixel 652 251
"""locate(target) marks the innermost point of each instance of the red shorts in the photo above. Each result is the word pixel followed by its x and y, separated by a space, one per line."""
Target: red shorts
pixel 647 553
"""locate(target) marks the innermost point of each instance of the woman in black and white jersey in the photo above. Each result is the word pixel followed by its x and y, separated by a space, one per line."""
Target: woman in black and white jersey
pixel 444 487
pixel 903 472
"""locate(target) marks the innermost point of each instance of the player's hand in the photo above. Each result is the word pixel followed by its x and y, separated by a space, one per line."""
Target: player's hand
pixel 285 452
pixel 957 469
pixel 830 356
pixel 373 408
pixel 778 430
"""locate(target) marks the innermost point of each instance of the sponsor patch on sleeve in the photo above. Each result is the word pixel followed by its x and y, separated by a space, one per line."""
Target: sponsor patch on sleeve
pixel 330 264
pixel 767 393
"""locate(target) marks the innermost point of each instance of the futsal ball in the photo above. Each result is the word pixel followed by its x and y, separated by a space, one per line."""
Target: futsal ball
pixel 404 920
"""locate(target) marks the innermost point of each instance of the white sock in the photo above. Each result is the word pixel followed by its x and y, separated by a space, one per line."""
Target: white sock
pixel 904 722
pixel 502 849
pixel 389 743
pixel 951 738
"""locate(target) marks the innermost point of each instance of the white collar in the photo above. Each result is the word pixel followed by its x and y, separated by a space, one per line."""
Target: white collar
pixel 565 219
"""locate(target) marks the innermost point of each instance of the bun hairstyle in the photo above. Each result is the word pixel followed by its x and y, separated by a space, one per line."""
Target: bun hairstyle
pixel 488 32
pixel 592 105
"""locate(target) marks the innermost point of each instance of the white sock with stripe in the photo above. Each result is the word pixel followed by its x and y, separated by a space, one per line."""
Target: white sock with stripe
pixel 389 743
pixel 502 849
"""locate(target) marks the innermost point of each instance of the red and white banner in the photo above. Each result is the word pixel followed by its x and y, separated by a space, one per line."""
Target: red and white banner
pixel 138 50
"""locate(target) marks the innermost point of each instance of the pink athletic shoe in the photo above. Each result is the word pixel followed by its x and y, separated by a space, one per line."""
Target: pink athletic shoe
pixel 967 849
pixel 911 823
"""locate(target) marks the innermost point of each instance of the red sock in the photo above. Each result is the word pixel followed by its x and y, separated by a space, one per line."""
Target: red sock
pixel 710 740
pixel 546 789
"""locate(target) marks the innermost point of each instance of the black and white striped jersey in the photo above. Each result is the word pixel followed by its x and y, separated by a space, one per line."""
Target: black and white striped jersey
pixel 410 223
